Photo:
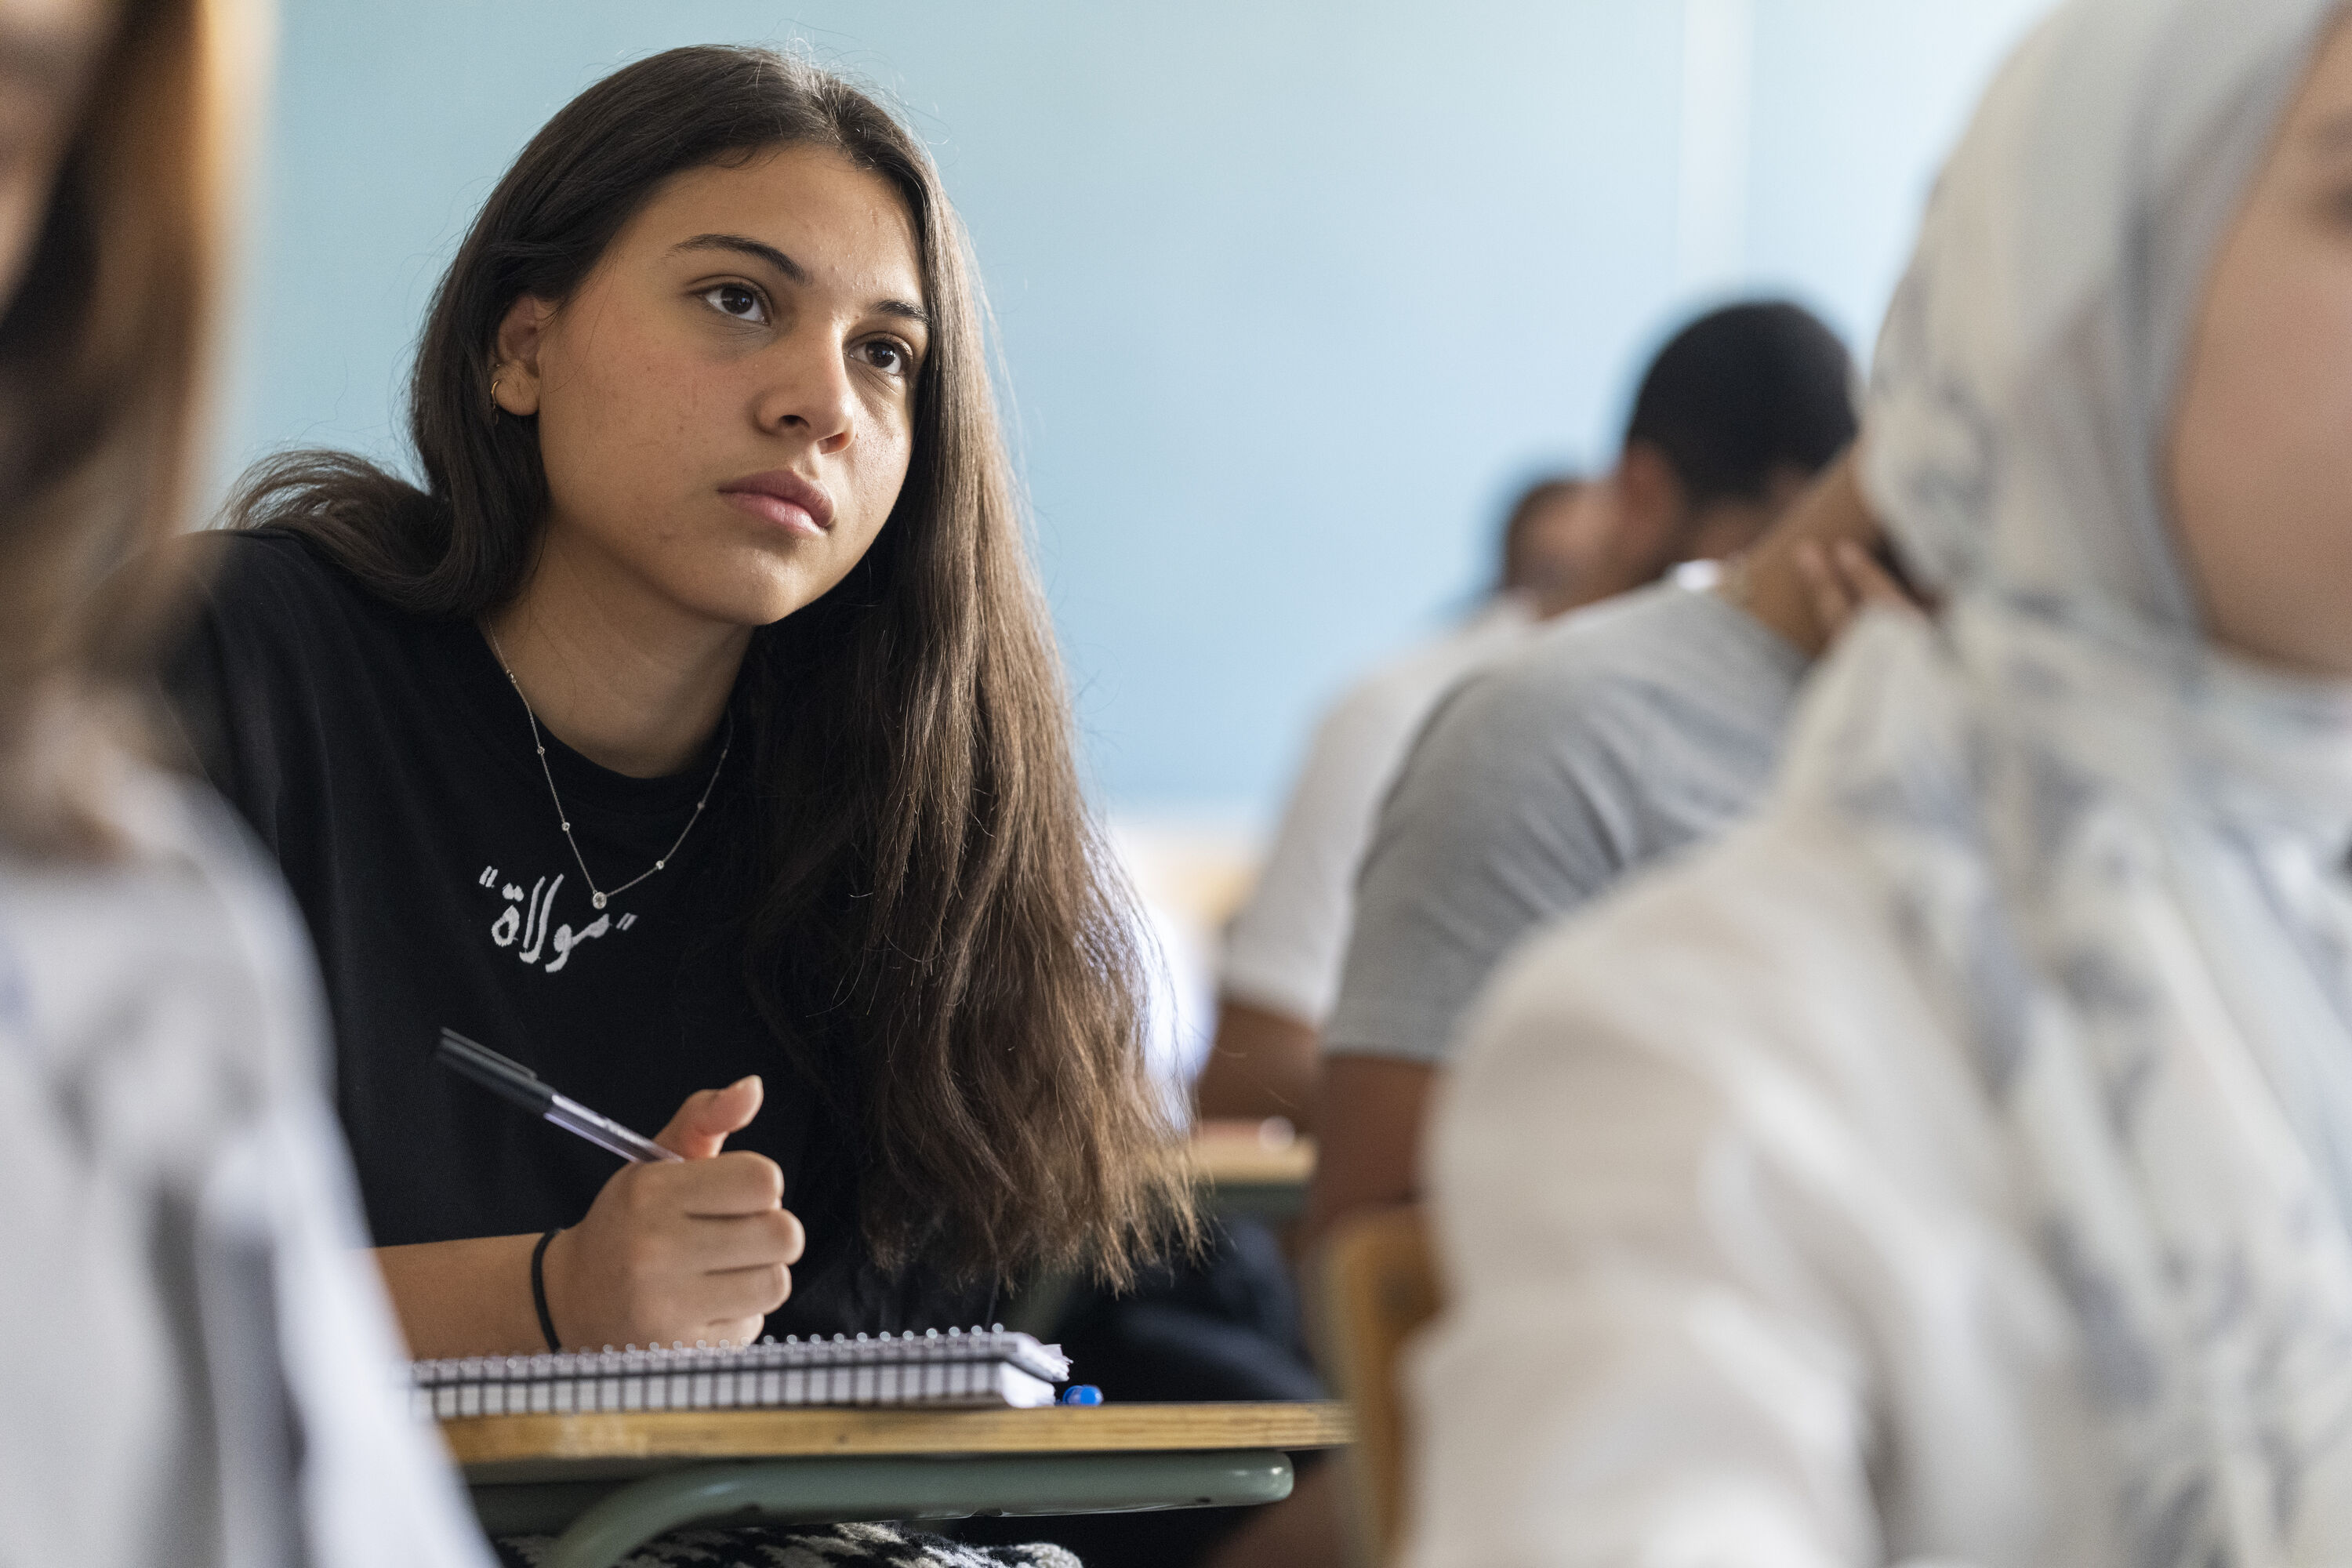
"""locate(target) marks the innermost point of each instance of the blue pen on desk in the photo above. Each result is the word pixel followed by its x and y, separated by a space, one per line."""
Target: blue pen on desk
pixel 504 1076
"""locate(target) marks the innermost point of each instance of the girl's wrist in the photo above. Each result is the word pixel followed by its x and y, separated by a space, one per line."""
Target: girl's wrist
pixel 539 1300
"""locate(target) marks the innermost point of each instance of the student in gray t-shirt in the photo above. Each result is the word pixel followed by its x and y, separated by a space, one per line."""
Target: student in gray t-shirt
pixel 1604 742
pixel 1609 740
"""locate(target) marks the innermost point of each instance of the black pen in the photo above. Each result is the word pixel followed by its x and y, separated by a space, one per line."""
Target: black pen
pixel 505 1075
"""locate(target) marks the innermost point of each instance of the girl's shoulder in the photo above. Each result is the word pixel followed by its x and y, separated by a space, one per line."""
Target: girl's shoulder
pixel 271 577
pixel 275 622
pixel 1763 989
pixel 1771 956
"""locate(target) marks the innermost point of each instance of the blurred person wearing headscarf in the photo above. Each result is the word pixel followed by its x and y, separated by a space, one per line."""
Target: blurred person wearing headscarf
pixel 200 1367
pixel 1955 1163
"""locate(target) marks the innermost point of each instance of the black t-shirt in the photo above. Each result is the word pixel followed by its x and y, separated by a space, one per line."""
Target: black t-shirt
pixel 385 761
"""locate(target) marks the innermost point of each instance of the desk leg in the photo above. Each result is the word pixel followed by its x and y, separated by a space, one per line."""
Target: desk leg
pixel 837 1490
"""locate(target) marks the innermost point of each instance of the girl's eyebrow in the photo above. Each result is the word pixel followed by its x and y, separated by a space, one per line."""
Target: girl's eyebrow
pixel 757 250
pixel 792 271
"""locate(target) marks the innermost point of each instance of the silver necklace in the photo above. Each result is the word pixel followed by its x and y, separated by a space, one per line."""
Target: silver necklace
pixel 563 819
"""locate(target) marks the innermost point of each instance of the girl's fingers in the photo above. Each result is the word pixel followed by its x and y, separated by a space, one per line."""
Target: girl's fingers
pixel 745 1293
pixel 747 1241
pixel 702 1124
pixel 726 1185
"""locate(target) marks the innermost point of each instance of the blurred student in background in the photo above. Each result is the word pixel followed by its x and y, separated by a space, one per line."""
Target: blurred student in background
pixel 1956 1162
pixel 1737 409
pixel 1282 951
pixel 1554 547
pixel 1601 743
pixel 200 1367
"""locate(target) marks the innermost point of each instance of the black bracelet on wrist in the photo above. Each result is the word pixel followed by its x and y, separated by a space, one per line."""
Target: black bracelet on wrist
pixel 539 1290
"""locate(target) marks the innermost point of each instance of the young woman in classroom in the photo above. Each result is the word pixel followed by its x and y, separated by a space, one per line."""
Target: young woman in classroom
pixel 693 735
pixel 1955 1164
pixel 198 1354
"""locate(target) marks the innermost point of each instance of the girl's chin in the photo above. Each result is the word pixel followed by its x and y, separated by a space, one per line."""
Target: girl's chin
pixel 749 605
pixel 726 580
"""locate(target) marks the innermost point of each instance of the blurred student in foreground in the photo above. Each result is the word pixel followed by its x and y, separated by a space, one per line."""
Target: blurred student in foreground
pixel 1955 1164
pixel 1735 412
pixel 200 1366
pixel 1616 736
pixel 1282 955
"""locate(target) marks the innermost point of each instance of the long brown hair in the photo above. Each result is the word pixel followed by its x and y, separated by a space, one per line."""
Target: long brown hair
pixel 103 348
pixel 934 896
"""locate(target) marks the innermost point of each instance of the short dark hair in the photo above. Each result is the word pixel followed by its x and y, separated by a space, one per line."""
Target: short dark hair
pixel 1743 393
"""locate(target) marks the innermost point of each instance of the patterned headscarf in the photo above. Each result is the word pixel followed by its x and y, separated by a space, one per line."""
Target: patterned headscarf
pixel 2116 854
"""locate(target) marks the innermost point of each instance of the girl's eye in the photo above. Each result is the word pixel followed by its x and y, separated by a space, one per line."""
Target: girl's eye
pixel 887 356
pixel 735 300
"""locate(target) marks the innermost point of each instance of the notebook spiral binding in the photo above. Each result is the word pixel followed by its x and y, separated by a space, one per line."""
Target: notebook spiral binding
pixel 960 1367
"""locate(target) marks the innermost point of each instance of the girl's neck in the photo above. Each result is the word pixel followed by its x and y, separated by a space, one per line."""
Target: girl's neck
pixel 631 683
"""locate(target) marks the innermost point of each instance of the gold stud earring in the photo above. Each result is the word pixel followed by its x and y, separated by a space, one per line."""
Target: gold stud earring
pixel 495 409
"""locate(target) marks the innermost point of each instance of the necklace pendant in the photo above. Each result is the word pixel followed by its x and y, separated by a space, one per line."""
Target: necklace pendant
pixel 597 900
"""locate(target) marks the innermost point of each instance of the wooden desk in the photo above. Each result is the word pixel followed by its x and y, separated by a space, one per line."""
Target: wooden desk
pixel 1246 1174
pixel 612 1482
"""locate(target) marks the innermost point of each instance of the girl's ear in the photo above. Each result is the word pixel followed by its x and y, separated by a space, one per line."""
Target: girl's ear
pixel 514 381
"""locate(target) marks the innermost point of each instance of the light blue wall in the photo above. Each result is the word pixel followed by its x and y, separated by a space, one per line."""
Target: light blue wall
pixel 1291 294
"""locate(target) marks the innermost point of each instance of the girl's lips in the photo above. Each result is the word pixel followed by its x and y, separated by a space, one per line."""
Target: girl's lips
pixel 790 501
pixel 789 516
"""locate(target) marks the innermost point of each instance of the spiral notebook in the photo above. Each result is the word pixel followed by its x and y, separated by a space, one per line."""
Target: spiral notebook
pixel 975 1367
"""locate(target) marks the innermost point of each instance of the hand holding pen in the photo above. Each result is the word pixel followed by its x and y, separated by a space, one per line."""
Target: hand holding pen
pixel 685 1242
